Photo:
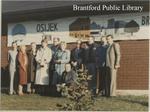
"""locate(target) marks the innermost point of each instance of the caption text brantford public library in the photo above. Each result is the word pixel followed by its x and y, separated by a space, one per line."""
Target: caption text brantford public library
pixel 126 7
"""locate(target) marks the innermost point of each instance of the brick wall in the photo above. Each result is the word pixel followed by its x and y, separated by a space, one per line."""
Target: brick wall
pixel 133 73
pixel 4 62
pixel 4 50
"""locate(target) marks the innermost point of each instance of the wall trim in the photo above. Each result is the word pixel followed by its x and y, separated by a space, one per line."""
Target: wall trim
pixel 132 92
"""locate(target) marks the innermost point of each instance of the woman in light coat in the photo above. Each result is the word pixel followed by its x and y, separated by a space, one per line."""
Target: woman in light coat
pixel 62 57
pixel 43 59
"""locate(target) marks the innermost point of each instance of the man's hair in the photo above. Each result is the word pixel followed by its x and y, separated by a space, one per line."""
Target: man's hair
pixel 67 64
pixel 110 36
pixel 33 43
pixel 56 38
pixel 44 40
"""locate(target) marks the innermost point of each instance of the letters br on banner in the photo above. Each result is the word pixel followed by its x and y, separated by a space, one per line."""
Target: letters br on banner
pixel 122 26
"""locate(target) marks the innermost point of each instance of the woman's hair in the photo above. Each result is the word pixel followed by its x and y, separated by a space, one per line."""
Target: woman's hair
pixel 63 43
pixel 14 43
pixel 20 47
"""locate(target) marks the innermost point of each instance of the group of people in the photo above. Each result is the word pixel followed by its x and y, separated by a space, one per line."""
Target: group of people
pixel 49 65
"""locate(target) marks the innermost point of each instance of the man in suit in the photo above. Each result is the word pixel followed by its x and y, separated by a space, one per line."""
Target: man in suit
pixel 76 56
pixel 101 64
pixel 85 53
pixel 112 63
pixel 55 47
pixel 91 64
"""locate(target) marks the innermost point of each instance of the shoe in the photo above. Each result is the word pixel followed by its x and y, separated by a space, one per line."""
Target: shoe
pixel 33 91
pixel 14 93
pixel 10 93
pixel 20 94
pixel 28 92
pixel 113 95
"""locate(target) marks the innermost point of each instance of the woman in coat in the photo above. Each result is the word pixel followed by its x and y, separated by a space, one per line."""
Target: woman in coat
pixel 62 57
pixel 43 59
pixel 23 64
pixel 31 68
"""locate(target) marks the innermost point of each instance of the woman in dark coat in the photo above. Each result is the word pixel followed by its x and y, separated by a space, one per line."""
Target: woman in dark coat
pixel 69 76
pixel 31 68
pixel 23 64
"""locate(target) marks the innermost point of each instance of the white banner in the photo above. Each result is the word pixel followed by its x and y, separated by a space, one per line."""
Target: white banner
pixel 122 27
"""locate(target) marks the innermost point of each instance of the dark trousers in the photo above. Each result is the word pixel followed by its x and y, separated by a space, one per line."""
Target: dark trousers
pixel 107 82
pixel 51 73
pixel 91 67
pixel 102 74
pixel 104 80
pixel 16 81
pixel 42 89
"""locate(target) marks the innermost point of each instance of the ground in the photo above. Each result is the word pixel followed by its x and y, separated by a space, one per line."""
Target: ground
pixel 37 102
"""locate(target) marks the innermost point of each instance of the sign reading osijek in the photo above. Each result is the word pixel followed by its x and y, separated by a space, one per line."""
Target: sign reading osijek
pixel 133 26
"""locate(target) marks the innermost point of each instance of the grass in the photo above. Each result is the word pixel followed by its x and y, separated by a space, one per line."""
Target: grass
pixel 37 102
